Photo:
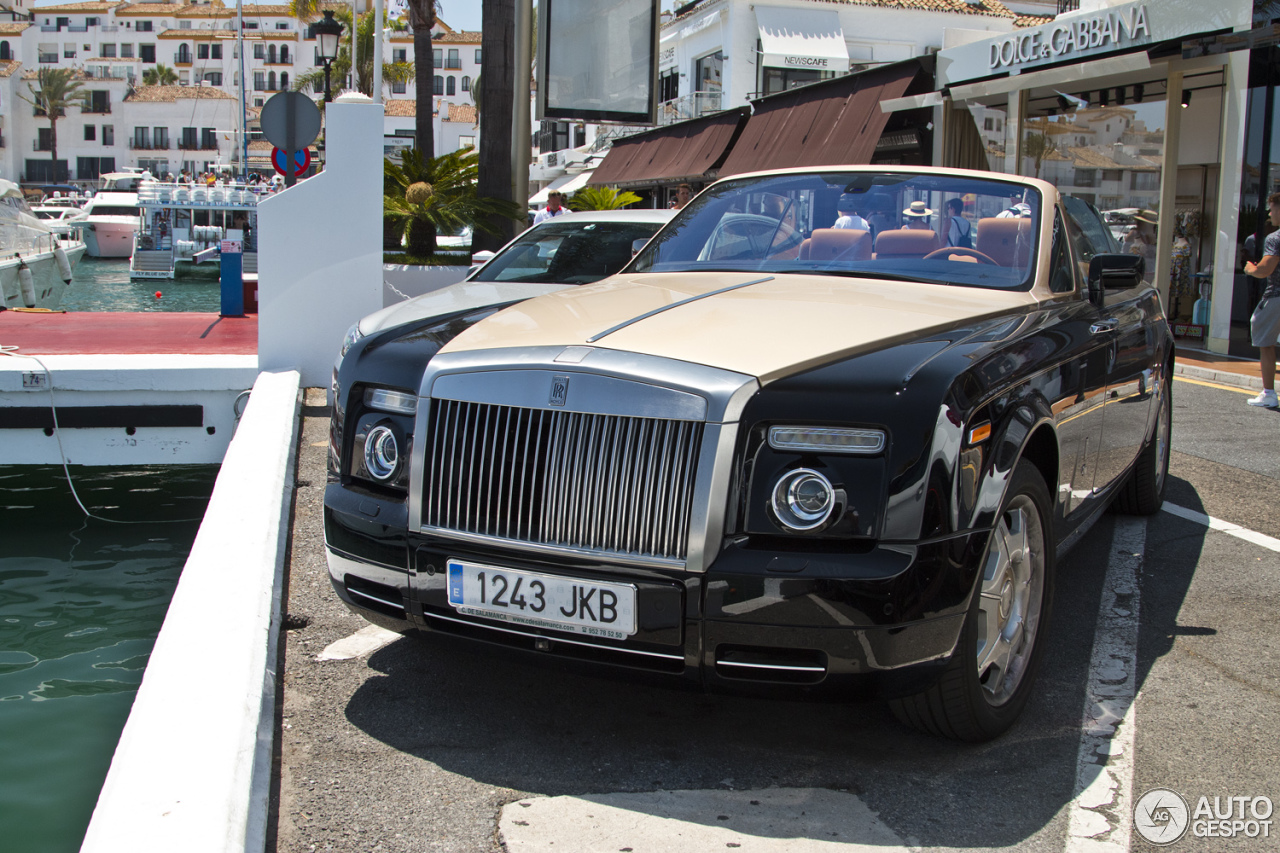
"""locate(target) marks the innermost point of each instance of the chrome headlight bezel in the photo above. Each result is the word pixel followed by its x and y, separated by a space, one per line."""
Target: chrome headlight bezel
pixel 792 500
pixel 381 453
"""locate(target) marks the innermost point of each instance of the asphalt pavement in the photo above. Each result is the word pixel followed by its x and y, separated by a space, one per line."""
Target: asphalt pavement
pixel 428 744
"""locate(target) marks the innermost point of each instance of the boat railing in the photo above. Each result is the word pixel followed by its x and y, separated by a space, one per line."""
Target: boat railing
pixel 200 195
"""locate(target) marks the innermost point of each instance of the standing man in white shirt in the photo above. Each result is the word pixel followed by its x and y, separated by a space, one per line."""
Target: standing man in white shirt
pixel 554 207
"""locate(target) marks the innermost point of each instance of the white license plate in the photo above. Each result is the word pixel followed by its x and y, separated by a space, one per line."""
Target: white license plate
pixel 595 608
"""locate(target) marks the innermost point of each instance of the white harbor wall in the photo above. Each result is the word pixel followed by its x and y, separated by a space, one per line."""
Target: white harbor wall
pixel 320 268
pixel 192 771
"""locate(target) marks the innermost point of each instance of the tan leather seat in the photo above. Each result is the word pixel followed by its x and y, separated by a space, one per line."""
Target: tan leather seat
pixel 837 244
pixel 1006 241
pixel 906 243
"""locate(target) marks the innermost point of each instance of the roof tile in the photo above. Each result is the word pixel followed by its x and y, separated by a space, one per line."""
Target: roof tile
pixel 169 94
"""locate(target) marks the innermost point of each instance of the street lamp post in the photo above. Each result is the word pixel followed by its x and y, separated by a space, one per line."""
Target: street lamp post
pixel 328 31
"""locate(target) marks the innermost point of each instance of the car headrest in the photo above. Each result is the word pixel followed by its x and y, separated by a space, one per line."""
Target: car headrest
pixel 843 244
pixel 906 243
pixel 1007 241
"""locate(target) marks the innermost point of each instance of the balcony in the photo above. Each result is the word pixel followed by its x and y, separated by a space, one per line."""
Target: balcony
pixel 179 59
pixel 188 145
pixel 694 105
pixel 38 146
pixel 1068 6
pixel 97 109
pixel 139 145
pixel 453 64
pixel 48 58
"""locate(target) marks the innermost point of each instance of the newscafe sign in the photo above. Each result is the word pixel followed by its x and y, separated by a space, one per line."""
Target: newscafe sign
pixel 1078 35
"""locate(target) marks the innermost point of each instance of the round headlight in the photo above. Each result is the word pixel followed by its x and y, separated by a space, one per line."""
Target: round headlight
pixel 381 454
pixel 803 499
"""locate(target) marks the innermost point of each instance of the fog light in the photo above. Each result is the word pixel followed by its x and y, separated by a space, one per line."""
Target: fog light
pixel 381 453
pixel 826 439
pixel 803 499
pixel 390 401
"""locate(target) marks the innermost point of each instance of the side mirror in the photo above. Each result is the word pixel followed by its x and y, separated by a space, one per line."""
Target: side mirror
pixel 1114 272
pixel 638 244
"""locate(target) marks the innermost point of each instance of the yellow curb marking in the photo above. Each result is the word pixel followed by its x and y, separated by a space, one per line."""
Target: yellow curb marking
pixel 1252 392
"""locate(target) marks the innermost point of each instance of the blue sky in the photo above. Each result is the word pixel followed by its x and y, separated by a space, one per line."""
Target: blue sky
pixel 459 14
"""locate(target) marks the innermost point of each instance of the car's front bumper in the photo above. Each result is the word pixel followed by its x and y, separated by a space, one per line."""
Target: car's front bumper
pixel 879 622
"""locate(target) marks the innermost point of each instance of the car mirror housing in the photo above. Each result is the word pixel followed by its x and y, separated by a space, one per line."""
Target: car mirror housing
pixel 1115 272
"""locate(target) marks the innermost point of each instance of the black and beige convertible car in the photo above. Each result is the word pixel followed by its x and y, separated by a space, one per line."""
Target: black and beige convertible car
pixel 770 453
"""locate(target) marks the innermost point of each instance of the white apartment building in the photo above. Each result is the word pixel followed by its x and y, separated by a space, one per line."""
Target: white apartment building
pixel 112 44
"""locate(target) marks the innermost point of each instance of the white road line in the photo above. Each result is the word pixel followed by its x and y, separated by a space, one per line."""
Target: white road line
pixel 1101 817
pixel 1226 527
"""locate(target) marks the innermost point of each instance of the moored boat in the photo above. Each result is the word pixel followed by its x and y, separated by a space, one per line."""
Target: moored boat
pixel 35 262
pixel 183 226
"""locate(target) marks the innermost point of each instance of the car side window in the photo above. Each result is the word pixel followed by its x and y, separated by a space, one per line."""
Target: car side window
pixel 1094 238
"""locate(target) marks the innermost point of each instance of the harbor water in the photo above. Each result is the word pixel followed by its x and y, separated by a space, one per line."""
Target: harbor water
pixel 81 602
pixel 102 284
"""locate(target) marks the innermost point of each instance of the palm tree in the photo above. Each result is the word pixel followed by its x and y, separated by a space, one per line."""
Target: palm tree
pixel 392 72
pixel 602 198
pixel 1038 146
pixel 428 194
pixel 422 18
pixel 161 75
pixel 58 90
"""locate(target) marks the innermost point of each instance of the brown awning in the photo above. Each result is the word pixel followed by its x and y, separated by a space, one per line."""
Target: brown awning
pixel 687 151
pixel 836 122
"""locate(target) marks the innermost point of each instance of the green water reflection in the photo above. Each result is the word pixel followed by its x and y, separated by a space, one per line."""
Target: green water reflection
pixel 81 602
pixel 102 284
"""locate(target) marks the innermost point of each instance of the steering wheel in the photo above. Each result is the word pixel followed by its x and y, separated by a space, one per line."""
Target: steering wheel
pixel 961 250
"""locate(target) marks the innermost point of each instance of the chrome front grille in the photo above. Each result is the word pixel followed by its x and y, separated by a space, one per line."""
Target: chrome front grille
pixel 601 483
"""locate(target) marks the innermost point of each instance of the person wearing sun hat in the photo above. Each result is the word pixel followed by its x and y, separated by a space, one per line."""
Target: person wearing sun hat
pixel 1142 240
pixel 917 216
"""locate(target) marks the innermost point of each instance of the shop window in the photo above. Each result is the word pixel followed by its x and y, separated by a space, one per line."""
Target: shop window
pixel 668 85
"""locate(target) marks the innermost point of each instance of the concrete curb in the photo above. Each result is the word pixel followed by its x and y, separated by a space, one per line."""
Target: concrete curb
pixel 1222 377
pixel 192 770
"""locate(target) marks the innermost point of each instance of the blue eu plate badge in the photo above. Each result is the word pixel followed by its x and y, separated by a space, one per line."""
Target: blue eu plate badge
pixel 455 583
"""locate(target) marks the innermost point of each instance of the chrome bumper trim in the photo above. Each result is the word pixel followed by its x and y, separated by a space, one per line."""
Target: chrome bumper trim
pixel 555 639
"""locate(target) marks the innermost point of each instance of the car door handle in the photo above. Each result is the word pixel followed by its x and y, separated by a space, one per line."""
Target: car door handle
pixel 1104 326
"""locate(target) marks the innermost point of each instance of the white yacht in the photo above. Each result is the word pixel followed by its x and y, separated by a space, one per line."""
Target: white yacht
pixel 62 219
pixel 35 263
pixel 112 217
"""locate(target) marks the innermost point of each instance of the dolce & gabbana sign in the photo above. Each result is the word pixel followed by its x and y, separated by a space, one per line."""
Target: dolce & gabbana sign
pixel 1077 36
pixel 1111 30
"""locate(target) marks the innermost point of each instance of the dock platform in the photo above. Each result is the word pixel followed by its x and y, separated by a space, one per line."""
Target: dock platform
pixel 128 333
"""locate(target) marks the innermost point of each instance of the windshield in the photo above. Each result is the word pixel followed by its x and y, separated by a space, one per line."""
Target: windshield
pixel 914 226
pixel 567 252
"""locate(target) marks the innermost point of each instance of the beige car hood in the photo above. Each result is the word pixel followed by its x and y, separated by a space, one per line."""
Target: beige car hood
pixel 767 330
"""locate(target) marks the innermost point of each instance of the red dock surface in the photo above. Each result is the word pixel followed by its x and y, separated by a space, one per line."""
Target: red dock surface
pixel 115 332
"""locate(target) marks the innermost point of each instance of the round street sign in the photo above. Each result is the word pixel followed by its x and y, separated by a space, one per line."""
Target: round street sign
pixel 290 120
pixel 301 160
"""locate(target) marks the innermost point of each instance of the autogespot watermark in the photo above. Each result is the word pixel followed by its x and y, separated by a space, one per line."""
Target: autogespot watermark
pixel 1162 816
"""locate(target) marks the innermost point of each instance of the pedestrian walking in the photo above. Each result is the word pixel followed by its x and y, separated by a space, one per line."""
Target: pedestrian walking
pixel 1264 325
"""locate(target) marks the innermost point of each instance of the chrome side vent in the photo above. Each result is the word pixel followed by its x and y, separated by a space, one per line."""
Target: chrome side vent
pixel 601 483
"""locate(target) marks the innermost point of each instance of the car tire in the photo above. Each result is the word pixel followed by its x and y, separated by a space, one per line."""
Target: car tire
pixel 1143 492
pixel 989 678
